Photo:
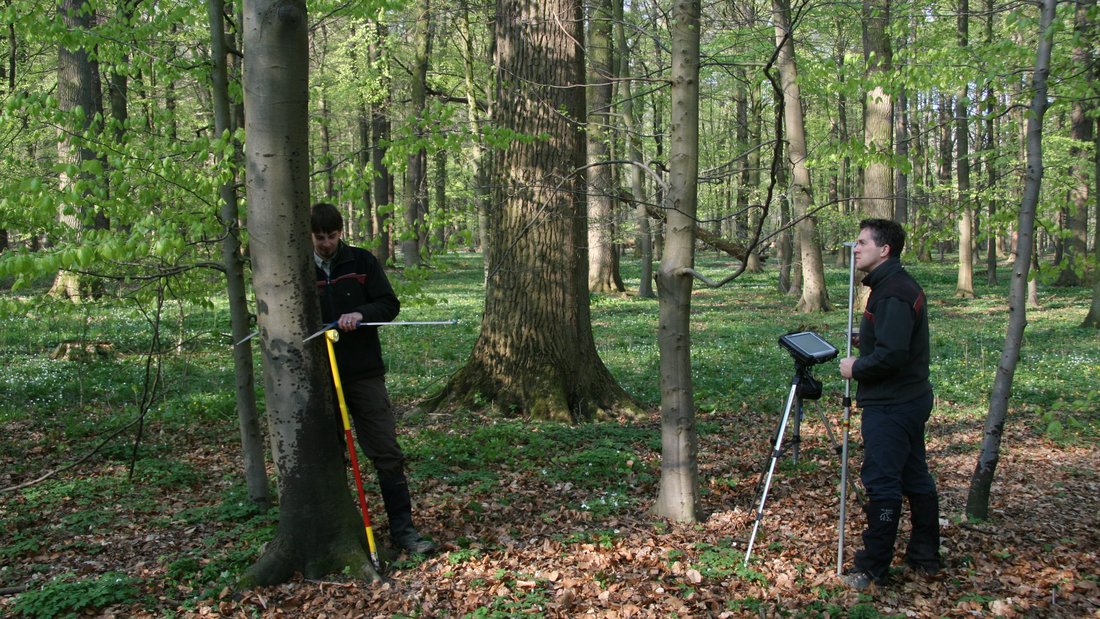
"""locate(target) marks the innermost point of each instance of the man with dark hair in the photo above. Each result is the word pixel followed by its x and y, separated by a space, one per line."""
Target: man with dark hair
pixel 353 288
pixel 896 398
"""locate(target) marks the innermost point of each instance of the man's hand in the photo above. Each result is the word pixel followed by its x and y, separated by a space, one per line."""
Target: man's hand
pixel 846 366
pixel 349 322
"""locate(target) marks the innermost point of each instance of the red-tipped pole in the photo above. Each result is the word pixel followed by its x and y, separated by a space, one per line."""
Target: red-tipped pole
pixel 331 336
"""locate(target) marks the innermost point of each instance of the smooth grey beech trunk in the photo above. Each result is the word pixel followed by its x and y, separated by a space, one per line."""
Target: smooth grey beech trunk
pixel 814 297
pixel 252 437
pixel 678 497
pixel 319 530
pixel 964 286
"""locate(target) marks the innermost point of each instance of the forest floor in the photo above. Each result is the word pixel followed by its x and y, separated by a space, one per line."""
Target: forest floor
pixel 517 541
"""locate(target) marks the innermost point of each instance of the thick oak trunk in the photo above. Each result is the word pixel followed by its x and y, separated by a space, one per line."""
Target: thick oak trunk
pixel 536 355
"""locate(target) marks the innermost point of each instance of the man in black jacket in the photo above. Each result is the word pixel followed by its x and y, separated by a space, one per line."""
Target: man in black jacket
pixel 896 398
pixel 353 288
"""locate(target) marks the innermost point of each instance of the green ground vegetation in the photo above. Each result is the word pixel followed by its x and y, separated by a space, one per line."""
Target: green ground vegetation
pixel 63 409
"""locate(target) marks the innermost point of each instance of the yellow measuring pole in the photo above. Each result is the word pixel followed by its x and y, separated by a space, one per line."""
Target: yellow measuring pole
pixel 332 336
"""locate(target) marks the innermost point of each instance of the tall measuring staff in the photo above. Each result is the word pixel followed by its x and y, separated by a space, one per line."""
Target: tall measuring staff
pixel 846 423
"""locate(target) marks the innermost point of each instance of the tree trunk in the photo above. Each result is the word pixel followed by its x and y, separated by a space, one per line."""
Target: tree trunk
pixel 785 240
pixel 480 155
pixel 319 530
pixel 78 88
pixel 631 107
pixel 756 215
pixel 1092 319
pixel 363 219
pixel 535 355
pixel 814 297
pixel 382 183
pixel 964 284
pixel 991 179
pixel 442 216
pixel 977 501
pixel 990 162
pixel 901 131
pixel 678 497
pixel 1072 268
pixel 252 438
pixel 877 176
pixel 416 173
pixel 602 258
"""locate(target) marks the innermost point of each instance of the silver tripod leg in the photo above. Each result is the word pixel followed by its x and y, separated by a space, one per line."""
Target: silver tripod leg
pixel 771 466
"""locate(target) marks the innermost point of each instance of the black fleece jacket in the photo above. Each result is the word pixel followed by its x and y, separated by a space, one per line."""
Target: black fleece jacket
pixel 357 283
pixel 893 339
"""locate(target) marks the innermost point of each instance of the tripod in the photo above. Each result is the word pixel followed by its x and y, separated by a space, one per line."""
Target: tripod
pixel 803 387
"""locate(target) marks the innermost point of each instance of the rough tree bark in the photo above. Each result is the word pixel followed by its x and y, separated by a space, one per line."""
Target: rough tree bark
pixel 981 482
pixel 678 497
pixel 535 354
pixel 877 119
pixel 78 88
pixel 319 530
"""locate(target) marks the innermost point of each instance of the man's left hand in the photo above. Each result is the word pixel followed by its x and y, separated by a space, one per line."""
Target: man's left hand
pixel 349 322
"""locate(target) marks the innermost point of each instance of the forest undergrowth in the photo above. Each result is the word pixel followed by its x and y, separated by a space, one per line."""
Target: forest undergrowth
pixel 540 519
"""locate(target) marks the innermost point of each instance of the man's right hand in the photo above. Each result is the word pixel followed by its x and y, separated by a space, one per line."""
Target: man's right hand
pixel 846 366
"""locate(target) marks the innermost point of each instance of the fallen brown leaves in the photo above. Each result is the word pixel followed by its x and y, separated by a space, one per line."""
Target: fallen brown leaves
pixel 520 549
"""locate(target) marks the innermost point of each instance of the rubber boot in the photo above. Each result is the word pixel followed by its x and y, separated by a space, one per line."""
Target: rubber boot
pixel 878 540
pixel 395 495
pixel 923 552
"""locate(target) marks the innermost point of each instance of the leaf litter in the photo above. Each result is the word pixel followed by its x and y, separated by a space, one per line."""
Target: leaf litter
pixel 522 545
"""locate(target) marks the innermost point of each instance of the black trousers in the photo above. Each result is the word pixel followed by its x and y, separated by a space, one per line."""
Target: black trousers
pixel 371 413
pixel 894 459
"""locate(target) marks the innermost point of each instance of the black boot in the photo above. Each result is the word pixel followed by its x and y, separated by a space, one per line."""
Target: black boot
pixel 873 560
pixel 395 495
pixel 923 551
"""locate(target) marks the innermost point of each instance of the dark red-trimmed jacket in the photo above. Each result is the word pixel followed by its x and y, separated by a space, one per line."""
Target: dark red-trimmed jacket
pixel 893 339
pixel 357 283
